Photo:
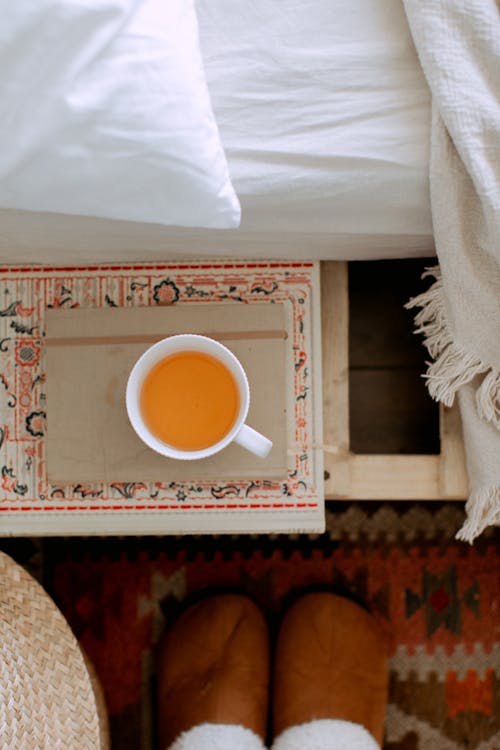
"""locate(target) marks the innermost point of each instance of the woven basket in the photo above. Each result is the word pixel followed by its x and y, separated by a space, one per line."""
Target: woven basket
pixel 47 698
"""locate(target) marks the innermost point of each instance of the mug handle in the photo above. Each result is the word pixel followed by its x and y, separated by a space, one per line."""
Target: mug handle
pixel 253 441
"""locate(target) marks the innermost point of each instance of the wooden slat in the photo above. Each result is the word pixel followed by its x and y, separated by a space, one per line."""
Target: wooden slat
pixel 394 477
pixel 453 480
pixel 335 353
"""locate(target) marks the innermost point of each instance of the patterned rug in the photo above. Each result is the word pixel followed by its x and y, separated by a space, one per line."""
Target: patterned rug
pixel 437 600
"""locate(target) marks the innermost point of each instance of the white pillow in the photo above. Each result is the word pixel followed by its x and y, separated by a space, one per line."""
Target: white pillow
pixel 104 111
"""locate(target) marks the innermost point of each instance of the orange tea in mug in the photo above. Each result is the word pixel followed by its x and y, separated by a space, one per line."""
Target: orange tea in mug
pixel 189 400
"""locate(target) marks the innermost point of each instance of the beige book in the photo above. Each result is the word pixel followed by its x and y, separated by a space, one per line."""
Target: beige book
pixel 89 355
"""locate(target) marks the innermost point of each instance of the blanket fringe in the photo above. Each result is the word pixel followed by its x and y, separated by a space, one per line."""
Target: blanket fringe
pixel 483 509
pixel 452 367
pixel 488 398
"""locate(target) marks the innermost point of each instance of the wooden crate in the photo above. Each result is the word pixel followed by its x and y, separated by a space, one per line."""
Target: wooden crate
pixel 375 477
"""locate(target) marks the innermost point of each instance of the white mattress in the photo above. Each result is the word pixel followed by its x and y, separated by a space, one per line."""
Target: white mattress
pixel 325 117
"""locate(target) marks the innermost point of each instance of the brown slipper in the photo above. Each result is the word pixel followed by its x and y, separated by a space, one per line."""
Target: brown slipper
pixel 213 667
pixel 331 663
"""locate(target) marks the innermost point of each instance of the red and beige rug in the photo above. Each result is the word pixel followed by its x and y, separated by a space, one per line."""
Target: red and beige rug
pixel 437 600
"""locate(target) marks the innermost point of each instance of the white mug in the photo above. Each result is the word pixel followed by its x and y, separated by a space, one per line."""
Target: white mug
pixel 240 432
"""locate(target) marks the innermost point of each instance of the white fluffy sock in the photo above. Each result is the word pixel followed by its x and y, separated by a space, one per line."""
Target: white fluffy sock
pixel 217 737
pixel 326 734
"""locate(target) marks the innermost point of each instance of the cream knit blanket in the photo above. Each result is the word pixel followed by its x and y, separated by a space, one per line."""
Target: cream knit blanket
pixel 458 43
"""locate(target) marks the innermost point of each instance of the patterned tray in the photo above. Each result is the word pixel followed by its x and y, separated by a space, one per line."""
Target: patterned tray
pixel 30 504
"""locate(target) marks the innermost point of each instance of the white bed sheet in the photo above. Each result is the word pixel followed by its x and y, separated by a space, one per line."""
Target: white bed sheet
pixel 325 117
pixel 324 113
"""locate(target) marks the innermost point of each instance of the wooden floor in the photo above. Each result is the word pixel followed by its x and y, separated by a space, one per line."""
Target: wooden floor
pixel 389 408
